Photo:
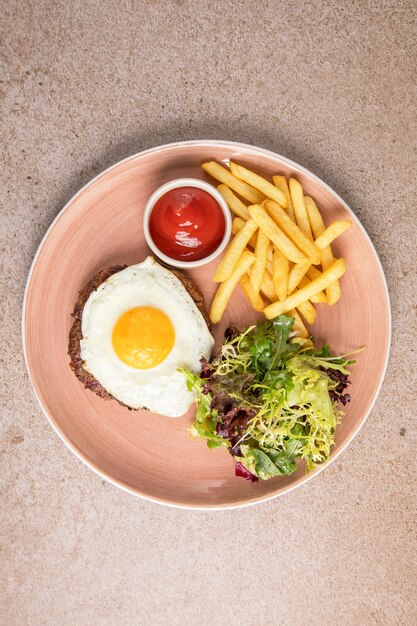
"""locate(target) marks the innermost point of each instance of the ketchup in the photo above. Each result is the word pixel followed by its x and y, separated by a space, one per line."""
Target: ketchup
pixel 187 223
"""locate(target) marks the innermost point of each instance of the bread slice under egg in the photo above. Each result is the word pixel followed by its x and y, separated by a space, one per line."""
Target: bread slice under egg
pixel 75 334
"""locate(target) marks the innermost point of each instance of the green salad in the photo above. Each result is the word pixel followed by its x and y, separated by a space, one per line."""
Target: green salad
pixel 270 398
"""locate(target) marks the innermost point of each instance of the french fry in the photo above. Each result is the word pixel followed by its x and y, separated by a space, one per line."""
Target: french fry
pixel 223 175
pixel 225 290
pixel 281 269
pixel 237 225
pixel 334 272
pixel 254 298
pixel 334 230
pixel 233 202
pixel 333 291
pixel 319 297
pixel 314 273
pixel 270 257
pixel 308 311
pixel 292 231
pixel 234 251
pixel 298 271
pixel 314 217
pixel 267 287
pixel 298 327
pixel 297 198
pixel 327 258
pixel 275 234
pixel 281 183
pixel 264 186
pixel 258 268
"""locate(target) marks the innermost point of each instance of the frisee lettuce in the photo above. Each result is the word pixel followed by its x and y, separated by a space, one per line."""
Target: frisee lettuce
pixel 270 399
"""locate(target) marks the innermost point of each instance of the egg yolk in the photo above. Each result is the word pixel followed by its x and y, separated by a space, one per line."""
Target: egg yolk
pixel 143 337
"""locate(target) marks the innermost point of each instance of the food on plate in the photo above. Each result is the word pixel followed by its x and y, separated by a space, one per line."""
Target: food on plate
pixel 280 275
pixel 275 234
pixel 234 251
pixel 266 188
pixel 327 258
pixel 308 311
pixel 261 254
pixel 236 205
pixel 297 273
pixel 270 398
pixel 313 272
pixel 293 232
pixel 254 297
pixel 298 328
pixel 267 286
pixel 237 225
pixel 319 297
pixel 134 327
pixel 187 224
pixel 333 273
pixel 224 292
pixel 282 183
pixel 334 230
pixel 223 175
pixel 290 243
pixel 300 209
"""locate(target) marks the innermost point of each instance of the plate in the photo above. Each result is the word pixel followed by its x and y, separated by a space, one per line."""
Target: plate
pixel 150 455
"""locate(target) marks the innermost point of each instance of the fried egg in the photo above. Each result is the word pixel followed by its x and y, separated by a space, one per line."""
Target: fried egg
pixel 139 327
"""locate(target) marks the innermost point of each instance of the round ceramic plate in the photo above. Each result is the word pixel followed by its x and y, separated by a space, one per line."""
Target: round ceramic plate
pixel 151 455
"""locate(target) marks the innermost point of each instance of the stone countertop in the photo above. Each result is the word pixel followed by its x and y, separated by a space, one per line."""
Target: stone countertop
pixel 328 84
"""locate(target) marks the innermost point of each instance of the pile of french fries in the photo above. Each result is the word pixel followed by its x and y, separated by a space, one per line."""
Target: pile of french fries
pixel 281 250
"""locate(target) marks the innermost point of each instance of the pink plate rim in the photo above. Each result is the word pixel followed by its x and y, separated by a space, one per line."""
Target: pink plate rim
pixel 120 484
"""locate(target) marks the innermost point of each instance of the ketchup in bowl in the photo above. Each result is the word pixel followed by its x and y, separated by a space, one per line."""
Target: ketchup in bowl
pixel 187 224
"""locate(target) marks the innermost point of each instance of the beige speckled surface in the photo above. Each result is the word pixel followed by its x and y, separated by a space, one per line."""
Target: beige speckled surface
pixel 328 84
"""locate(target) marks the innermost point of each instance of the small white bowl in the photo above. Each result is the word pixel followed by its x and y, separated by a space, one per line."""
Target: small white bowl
pixel 186 182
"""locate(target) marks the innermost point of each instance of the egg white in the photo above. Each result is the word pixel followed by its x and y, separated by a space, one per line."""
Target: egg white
pixel 161 389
